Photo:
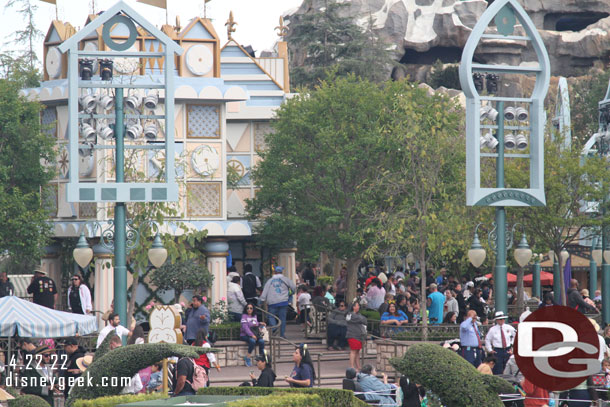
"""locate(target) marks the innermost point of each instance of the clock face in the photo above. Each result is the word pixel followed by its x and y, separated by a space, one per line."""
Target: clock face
pixel 127 65
pixel 53 63
pixel 205 160
pixel 199 59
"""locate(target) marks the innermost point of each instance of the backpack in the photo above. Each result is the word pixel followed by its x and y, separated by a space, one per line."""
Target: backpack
pixel 200 377
pixel 249 285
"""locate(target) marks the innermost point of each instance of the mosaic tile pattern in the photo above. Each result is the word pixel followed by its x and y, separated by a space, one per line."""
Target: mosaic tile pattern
pixel 260 131
pixel 203 121
pixel 204 199
pixel 87 210
pixel 49 121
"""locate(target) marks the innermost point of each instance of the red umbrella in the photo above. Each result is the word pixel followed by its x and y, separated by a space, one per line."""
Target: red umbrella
pixel 546 278
pixel 512 278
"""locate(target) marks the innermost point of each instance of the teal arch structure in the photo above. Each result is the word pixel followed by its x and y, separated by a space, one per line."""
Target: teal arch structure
pixel 507 14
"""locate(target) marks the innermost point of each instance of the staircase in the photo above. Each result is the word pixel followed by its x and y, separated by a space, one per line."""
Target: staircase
pixel 330 368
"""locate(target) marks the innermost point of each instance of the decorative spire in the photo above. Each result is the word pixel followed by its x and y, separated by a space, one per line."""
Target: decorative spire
pixel 205 8
pixel 178 27
pixel 230 24
pixel 282 29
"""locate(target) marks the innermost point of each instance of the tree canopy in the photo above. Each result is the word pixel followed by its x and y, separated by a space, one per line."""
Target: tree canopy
pixel 322 39
pixel 24 150
pixel 334 157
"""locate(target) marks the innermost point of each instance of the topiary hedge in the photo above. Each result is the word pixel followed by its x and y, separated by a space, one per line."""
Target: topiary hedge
pixel 330 397
pixel 29 400
pixel 125 362
pixel 105 345
pixel 280 400
pixel 112 401
pixel 227 331
pixel 455 381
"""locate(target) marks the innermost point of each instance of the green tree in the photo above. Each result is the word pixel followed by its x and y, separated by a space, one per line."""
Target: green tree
pixel 23 149
pixel 322 39
pixel 422 184
pixel 180 276
pixel 585 93
pixel 325 146
pixel 568 183
pixel 29 34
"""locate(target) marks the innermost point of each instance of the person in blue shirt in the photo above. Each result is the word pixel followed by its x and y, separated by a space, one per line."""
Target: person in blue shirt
pixel 303 373
pixel 394 317
pixel 436 301
pixel 470 339
pixel 197 318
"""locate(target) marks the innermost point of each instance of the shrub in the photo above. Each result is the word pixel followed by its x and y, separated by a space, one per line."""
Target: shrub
pixel 29 400
pixel 104 346
pixel 448 77
pixel 228 331
pixel 325 280
pixel 456 382
pixel 330 397
pixel 112 401
pixel 373 318
pixel 280 400
pixel 126 362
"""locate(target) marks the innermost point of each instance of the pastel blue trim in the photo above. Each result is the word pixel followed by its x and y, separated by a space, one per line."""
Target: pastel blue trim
pixel 54 36
pixel 265 101
pixel 199 32
pixel 241 69
pixel 232 51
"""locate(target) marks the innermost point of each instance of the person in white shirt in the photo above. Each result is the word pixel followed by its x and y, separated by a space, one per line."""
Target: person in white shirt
pixel 114 325
pixel 304 303
pixel 499 340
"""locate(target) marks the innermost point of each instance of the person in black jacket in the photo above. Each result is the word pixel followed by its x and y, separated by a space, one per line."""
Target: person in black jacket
pixel 475 303
pixel 74 351
pixel 576 301
pixel 410 393
pixel 267 376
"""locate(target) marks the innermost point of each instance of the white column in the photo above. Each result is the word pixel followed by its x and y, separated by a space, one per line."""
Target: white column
pixel 103 282
pixel 217 251
pixel 287 259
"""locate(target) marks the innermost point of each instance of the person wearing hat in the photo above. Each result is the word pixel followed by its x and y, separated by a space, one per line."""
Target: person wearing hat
pixel 276 293
pixel 267 377
pixel 84 362
pixel 43 289
pixel 72 370
pixel 499 341
pixel 37 375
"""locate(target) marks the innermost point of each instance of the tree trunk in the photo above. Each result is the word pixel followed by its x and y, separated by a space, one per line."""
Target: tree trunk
pixel 352 278
pixel 562 280
pixel 520 290
pixel 424 298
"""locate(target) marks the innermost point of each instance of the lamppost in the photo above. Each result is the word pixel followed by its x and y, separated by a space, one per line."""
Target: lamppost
pixel 499 122
pixel 477 254
pixel 90 97
pixel 83 253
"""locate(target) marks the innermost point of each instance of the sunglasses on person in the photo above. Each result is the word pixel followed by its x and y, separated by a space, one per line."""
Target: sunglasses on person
pixel 76 279
pixel 249 308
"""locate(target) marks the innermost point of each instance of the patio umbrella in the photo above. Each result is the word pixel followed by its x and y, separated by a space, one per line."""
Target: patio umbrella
pixel 546 278
pixel 29 320
pixel 510 277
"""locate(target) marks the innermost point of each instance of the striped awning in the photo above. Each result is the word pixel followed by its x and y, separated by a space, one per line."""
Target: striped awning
pixel 29 320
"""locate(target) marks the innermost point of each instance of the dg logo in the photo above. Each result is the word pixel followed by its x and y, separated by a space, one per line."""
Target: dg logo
pixel 557 348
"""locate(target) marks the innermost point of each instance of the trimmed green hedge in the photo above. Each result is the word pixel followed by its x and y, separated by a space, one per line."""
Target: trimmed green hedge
pixel 105 345
pixel 280 400
pixel 112 401
pixel 330 397
pixel 29 400
pixel 125 362
pixel 455 381
pixel 227 331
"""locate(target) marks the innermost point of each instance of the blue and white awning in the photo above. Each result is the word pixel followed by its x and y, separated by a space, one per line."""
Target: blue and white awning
pixel 29 320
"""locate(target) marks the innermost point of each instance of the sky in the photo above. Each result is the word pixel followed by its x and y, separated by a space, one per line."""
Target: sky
pixel 256 19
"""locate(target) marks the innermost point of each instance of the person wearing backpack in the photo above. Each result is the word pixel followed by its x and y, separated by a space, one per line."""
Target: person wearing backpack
pixel 276 294
pixel 190 377
pixel 251 285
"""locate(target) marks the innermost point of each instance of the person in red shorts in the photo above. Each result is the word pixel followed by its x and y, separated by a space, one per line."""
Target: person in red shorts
pixel 356 333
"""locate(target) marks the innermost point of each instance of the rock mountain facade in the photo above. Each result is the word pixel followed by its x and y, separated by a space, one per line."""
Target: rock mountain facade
pixel 576 32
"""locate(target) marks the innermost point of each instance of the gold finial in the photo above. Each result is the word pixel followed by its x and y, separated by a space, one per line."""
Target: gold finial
pixel 205 8
pixel 283 30
pixel 230 24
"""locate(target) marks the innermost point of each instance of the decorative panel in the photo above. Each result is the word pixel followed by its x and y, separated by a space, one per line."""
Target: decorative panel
pixel 204 199
pixel 87 210
pixel 49 121
pixel 260 131
pixel 203 121
pixel 49 199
